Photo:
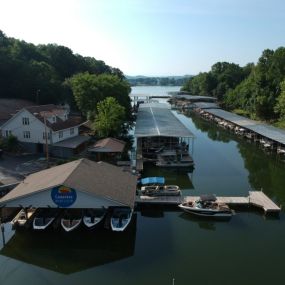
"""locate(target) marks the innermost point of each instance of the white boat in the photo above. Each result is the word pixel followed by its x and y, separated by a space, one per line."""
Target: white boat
pixel 71 220
pixel 207 206
pixel 161 190
pixel 92 217
pixel 44 218
pixel 22 217
pixel 121 218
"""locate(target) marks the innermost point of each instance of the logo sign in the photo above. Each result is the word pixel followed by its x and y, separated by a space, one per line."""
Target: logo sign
pixel 63 196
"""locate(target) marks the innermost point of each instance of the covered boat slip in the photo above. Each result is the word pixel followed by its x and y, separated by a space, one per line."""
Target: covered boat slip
pixel 270 132
pixel 78 184
pixel 157 130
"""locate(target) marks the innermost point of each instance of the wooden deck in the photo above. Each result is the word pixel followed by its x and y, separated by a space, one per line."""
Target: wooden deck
pixel 255 198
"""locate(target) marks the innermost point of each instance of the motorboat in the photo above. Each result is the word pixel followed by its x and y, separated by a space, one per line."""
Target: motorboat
pixel 22 217
pixel 71 219
pixel 161 190
pixel 44 218
pixel 207 206
pixel 92 217
pixel 121 218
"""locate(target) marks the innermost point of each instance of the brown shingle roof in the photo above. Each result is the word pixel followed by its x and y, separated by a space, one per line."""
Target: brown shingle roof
pixel 97 178
pixel 40 111
pixel 9 107
pixel 108 145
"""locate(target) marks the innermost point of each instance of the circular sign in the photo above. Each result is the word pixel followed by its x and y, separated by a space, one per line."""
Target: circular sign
pixel 63 196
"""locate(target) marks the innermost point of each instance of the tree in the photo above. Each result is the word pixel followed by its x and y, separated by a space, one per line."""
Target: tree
pixel 89 89
pixel 109 118
pixel 280 106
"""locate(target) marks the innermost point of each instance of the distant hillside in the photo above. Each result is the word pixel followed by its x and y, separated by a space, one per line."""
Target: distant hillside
pixel 38 72
pixel 141 80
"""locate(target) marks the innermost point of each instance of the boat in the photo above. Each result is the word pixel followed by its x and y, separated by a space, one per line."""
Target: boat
pixel 44 218
pixel 174 159
pixel 92 217
pixel 71 219
pixel 22 217
pixel 120 219
pixel 207 206
pixel 161 190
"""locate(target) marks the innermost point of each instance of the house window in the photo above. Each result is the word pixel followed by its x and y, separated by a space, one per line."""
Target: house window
pixel 25 121
pixel 54 119
pixel 8 133
pixel 27 134
pixel 72 131
pixel 60 134
pixel 44 135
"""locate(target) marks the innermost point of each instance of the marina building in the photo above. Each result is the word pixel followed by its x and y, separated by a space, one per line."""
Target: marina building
pixel 161 137
pixel 78 184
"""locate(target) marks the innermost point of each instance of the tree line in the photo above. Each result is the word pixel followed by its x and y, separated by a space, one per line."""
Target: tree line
pixel 157 81
pixel 52 73
pixel 256 90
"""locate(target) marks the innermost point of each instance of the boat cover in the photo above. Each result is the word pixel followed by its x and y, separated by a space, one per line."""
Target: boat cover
pixel 208 197
pixel 152 180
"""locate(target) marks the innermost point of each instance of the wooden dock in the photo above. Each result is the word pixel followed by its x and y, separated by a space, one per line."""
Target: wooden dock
pixel 255 198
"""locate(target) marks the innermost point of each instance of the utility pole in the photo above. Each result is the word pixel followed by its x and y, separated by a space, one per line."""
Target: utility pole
pixel 46 139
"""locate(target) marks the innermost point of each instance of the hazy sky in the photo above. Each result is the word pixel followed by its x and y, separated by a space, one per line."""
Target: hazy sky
pixel 151 37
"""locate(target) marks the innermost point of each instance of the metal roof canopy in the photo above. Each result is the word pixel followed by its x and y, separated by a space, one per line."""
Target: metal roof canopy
pixel 265 130
pixel 195 97
pixel 157 120
pixel 206 105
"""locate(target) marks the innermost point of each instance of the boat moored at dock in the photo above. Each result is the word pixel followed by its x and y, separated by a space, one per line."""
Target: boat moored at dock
pixel 44 218
pixel 121 218
pixel 207 206
pixel 161 190
pixel 71 219
pixel 93 217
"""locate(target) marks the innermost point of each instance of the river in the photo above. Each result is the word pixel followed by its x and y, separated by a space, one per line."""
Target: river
pixel 163 244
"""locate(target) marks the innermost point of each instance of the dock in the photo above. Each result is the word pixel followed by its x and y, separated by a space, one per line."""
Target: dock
pixel 255 198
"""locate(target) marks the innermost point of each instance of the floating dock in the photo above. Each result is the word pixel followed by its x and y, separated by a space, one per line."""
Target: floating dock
pixel 255 198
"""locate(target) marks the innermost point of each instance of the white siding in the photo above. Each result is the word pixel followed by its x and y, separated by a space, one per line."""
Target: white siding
pixel 65 135
pixel 35 127
pixel 43 199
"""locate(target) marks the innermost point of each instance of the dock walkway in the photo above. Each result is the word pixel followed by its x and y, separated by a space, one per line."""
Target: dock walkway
pixel 255 198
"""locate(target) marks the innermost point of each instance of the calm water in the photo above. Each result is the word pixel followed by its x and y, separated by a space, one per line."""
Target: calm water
pixel 162 244
pixel 154 90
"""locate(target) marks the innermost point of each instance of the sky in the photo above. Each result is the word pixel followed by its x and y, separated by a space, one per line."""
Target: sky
pixel 151 37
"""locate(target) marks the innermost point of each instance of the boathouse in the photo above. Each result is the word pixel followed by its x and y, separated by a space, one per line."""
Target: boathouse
pixel 158 129
pixel 78 184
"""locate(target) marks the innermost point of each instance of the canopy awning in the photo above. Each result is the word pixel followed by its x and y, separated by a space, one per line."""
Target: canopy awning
pixel 152 180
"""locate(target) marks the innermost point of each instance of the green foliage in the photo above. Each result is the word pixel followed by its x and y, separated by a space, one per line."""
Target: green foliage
pixel 89 89
pixel 110 118
pixel 280 105
pixel 37 73
pixel 256 89
pixel 10 144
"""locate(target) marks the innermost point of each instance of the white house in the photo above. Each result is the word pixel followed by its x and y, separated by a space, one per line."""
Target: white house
pixel 37 126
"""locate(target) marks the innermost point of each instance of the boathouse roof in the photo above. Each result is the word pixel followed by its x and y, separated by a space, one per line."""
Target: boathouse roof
pixel 156 119
pixel 103 181
pixel 262 129
pixel 206 105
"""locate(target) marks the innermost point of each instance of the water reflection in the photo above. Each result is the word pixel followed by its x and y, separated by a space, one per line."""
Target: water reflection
pixel 265 170
pixel 71 252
